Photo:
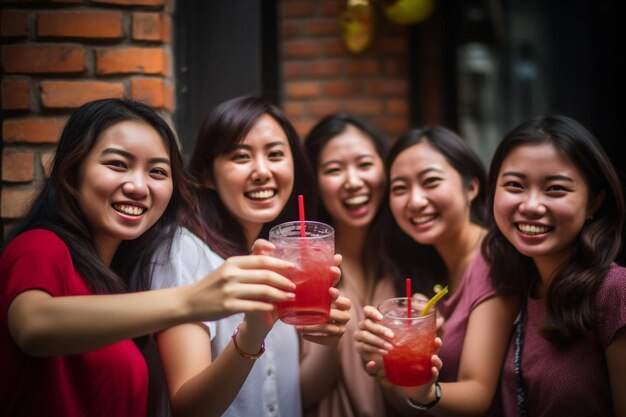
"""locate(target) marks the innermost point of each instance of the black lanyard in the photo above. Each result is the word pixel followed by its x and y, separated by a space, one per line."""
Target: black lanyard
pixel 519 380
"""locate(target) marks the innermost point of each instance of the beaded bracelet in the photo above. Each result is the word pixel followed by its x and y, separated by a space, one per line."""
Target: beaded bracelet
pixel 241 352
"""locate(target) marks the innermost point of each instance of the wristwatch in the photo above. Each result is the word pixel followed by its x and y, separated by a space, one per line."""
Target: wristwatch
pixel 420 406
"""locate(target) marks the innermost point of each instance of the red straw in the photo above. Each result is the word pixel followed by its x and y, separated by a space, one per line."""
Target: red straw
pixel 301 211
pixel 408 297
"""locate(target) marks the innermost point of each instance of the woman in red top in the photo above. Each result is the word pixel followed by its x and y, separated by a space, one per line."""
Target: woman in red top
pixel 68 308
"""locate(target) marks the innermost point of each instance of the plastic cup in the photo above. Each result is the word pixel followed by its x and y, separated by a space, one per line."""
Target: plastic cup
pixel 313 256
pixel 409 362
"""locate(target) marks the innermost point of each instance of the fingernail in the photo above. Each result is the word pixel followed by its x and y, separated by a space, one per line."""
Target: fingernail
pixel 291 295
pixel 388 346
pixel 389 333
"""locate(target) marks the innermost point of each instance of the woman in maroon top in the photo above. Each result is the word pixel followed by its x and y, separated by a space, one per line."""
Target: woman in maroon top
pixel 558 211
pixel 437 196
pixel 68 307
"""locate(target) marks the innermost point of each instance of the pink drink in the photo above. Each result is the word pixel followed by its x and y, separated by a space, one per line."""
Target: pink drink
pixel 409 362
pixel 313 256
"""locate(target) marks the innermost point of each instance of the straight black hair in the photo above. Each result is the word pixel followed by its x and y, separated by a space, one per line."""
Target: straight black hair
pixel 57 208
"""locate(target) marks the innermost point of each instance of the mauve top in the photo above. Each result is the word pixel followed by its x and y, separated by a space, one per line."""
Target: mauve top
pixel 474 289
pixel 570 381
pixel 356 394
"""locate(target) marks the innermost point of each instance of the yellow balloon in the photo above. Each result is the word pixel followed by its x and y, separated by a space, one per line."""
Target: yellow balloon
pixel 407 12
pixel 357 25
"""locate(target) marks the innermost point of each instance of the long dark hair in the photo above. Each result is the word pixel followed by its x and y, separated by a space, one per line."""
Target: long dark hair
pixel 571 293
pixel 222 131
pixel 423 262
pixel 57 208
pixel 323 132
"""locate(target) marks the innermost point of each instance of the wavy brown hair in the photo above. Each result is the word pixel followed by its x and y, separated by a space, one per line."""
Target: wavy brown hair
pixel 571 293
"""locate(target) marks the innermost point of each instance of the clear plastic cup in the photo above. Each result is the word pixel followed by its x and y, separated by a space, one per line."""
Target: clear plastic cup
pixel 313 256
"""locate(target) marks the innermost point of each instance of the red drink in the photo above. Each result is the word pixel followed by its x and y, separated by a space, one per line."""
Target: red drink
pixel 409 362
pixel 313 256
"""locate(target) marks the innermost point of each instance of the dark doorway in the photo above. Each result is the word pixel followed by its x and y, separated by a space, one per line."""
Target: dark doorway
pixel 223 49
pixel 500 62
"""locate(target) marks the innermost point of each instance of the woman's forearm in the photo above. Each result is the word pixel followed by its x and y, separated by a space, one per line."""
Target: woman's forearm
pixel 42 325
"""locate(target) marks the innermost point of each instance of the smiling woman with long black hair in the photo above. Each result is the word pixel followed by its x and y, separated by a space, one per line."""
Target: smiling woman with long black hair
pixel 70 301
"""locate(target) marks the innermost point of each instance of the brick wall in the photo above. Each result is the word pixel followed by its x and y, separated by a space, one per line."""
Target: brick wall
pixel 59 54
pixel 320 76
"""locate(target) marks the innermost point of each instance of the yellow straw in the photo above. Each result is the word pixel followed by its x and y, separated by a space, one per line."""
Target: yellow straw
pixel 434 300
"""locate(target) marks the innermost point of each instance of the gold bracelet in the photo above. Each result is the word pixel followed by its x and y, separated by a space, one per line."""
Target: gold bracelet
pixel 241 352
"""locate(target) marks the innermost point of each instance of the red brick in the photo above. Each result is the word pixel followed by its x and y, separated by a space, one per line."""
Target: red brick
pixel 148 91
pixel 397 106
pixel 387 87
pixel 13 23
pixel 290 29
pixel 396 67
pixel 294 109
pixel 321 108
pixel 303 89
pixel 15 202
pixel 293 69
pixel 27 58
pixel 364 67
pixel 130 61
pixel 132 2
pixel 331 7
pixel 303 127
pixel 46 161
pixel 147 26
pixel 169 96
pixel 167 64
pixel 15 95
pixel 319 27
pixel 101 24
pixel 394 126
pixel 326 68
pixel 391 46
pixel 342 88
pixel 73 94
pixel 33 130
pixel 166 30
pixel 334 47
pixel 365 107
pixel 301 49
pixel 300 8
pixel 18 166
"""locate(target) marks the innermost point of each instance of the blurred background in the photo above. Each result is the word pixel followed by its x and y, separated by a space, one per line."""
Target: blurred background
pixel 477 66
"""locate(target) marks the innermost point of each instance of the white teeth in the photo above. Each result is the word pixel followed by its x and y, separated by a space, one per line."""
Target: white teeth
pixel 531 229
pixel 355 201
pixel 261 195
pixel 423 219
pixel 130 210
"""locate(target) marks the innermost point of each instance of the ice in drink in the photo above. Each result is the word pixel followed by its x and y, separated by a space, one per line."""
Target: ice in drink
pixel 409 362
pixel 313 257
